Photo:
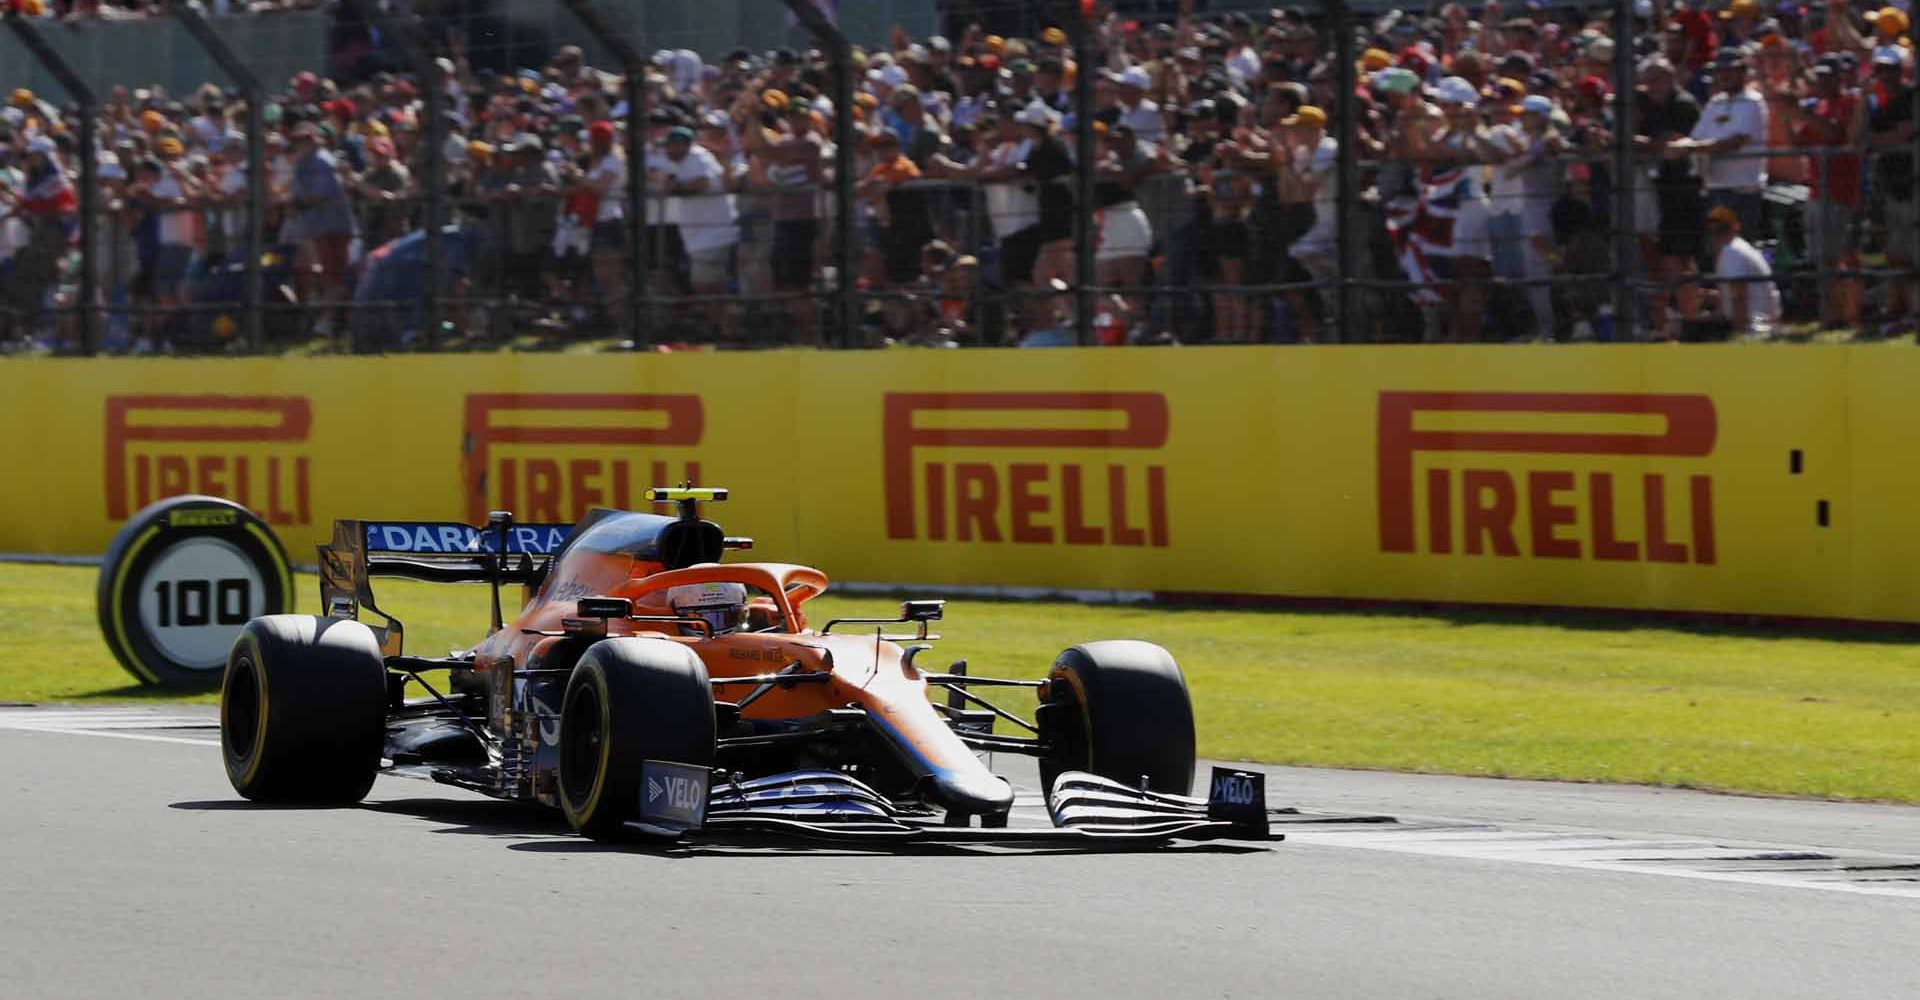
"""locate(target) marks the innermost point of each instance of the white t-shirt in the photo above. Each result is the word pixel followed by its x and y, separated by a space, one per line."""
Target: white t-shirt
pixel 1730 115
pixel 1145 120
pixel 1740 259
pixel 208 129
pixel 1243 64
pixel 609 177
pixel 176 226
pixel 1325 168
pixel 706 220
pixel 233 219
pixel 13 236
pixel 1010 206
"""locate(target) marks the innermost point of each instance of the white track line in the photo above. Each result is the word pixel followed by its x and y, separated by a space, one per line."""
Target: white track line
pixel 122 725
pixel 115 734
pixel 1565 851
pixel 1559 848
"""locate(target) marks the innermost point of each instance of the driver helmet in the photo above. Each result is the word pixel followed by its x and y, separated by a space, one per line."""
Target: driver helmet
pixel 722 605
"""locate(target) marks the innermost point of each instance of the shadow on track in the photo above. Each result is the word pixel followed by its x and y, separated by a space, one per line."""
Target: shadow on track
pixel 539 830
pixel 236 805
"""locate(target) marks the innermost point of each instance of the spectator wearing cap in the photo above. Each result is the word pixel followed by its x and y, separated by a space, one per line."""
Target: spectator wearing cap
pixel 1777 67
pixel 1739 22
pixel 1749 302
pixel 791 154
pixel 1893 108
pixel 222 199
pixel 1412 122
pixel 1520 36
pixel 1731 131
pixel 1459 148
pixel 704 211
pixel 115 257
pixel 172 200
pixel 1669 207
pixel 525 201
pixel 605 179
pixel 386 190
pixel 1306 167
pixel 322 227
pixel 1243 61
pixel 900 220
pixel 1049 83
pixel 484 210
pixel 1038 166
pixel 1019 81
pixel 906 117
pixel 1227 184
pixel 1125 233
pixel 666 254
pixel 1831 124
pixel 1136 111
pixel 1530 184
pixel 47 205
pixel 1281 213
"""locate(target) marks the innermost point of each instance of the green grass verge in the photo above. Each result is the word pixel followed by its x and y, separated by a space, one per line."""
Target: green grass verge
pixel 1566 697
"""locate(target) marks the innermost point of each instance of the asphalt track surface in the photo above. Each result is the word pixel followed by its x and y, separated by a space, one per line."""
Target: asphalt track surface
pixel 129 868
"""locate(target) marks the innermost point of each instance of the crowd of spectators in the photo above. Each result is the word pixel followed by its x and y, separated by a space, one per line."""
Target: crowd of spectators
pixel 76 11
pixel 1767 139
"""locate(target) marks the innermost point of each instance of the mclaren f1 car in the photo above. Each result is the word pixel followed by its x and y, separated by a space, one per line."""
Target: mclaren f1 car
pixel 646 686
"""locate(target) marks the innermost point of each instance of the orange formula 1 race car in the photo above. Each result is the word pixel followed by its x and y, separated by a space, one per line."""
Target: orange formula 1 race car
pixel 646 686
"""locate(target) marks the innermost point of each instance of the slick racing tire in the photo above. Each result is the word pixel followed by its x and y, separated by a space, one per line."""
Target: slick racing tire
pixel 629 701
pixel 1118 709
pixel 303 710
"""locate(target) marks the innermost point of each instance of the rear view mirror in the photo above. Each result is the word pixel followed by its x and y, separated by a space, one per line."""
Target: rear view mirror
pixel 922 611
pixel 604 607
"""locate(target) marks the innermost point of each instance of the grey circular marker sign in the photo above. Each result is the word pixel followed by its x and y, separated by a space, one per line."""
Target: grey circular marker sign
pixel 179 581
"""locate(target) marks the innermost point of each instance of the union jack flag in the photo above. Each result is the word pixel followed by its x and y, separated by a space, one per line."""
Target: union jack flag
pixel 1422 227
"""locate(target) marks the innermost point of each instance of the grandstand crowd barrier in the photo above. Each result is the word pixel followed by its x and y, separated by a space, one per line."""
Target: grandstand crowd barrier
pixel 1697 478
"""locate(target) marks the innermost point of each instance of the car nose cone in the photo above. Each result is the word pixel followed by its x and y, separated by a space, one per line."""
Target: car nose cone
pixel 974 792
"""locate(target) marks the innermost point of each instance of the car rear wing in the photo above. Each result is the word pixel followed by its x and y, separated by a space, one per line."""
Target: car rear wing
pixel 434 552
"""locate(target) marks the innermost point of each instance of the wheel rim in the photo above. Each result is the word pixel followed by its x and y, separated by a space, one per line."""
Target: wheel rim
pixel 240 711
pixel 581 739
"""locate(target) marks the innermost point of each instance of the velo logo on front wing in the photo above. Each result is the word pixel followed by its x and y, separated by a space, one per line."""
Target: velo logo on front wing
pixel 244 448
pixel 1096 485
pixel 551 456
pixel 1544 508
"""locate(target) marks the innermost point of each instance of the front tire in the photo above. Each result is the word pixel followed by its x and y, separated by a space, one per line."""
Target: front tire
pixel 303 710
pixel 1118 709
pixel 629 701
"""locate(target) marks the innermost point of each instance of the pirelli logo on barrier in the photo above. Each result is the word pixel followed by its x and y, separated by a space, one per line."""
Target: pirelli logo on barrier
pixel 1091 478
pixel 248 449
pixel 1550 511
pixel 552 456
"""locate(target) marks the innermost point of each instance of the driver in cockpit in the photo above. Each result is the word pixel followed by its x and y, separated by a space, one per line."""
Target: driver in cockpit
pixel 723 606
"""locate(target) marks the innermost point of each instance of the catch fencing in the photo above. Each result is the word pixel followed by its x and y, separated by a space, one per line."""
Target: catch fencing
pixel 1579 238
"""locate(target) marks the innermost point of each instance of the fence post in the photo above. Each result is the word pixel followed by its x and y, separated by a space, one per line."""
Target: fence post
pixel 1083 182
pixel 405 38
pixel 1625 235
pixel 1343 192
pixel 634 69
pixel 256 97
pixel 89 180
pixel 1913 182
pixel 840 53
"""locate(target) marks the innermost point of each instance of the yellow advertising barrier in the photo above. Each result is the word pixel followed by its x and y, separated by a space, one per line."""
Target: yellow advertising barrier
pixel 1770 481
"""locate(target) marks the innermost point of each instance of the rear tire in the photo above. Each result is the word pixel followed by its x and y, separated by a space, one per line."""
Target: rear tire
pixel 629 701
pixel 1118 709
pixel 303 710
